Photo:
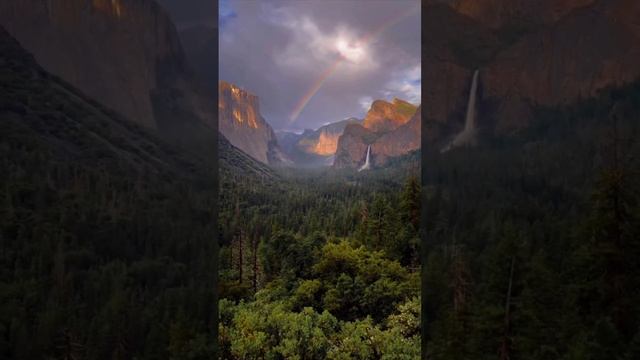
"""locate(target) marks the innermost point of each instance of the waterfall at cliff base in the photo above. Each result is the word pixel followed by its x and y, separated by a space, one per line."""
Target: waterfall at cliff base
pixel 367 163
pixel 468 134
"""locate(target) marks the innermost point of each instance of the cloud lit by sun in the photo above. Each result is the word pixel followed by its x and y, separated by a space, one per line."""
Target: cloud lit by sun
pixel 311 46
pixel 327 61
pixel 350 51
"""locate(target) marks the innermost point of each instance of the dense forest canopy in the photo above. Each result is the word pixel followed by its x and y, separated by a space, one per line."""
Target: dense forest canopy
pixel 321 264
pixel 106 231
pixel 533 240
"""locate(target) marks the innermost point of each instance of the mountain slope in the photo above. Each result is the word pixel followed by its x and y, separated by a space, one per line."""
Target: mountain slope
pixel 106 230
pixel 391 128
pixel 584 52
pixel 570 50
pixel 233 162
pixel 400 141
pixel 324 141
pixel 314 147
pixel 385 116
pixel 124 53
pixel 240 121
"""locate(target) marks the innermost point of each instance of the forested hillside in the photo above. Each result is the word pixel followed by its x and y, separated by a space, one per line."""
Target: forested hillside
pixel 533 240
pixel 106 231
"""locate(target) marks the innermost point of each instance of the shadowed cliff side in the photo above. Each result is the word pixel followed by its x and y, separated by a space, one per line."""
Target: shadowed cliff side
pixel 126 54
pixel 85 262
pixel 568 51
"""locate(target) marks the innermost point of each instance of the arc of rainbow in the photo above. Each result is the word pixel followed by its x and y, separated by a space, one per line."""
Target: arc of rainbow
pixel 365 40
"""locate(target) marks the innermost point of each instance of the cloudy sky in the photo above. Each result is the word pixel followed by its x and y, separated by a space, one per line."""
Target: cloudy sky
pixel 312 62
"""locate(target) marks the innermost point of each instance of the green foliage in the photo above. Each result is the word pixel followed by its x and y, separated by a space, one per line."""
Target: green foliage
pixel 272 330
pixel 325 267
pixel 105 230
pixel 533 238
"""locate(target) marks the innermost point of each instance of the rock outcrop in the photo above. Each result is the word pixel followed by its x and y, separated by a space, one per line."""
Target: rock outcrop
pixel 385 116
pixel 240 121
pixel 393 130
pixel 352 146
pixel 398 142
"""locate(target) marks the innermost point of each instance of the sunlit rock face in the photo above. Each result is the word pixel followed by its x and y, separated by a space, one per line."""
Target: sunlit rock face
pixel 398 142
pixel 392 131
pixel 324 140
pixel 239 106
pixel 112 50
pixel 314 148
pixel 239 120
pixel 385 116
pixel 327 144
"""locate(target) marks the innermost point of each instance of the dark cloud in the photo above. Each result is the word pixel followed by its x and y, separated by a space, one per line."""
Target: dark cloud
pixel 278 50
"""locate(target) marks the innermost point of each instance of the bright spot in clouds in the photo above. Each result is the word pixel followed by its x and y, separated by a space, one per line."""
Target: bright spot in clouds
pixel 350 52
pixel 281 50
pixel 310 47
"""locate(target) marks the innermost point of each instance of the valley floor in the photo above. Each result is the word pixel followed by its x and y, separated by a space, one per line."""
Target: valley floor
pixel 320 265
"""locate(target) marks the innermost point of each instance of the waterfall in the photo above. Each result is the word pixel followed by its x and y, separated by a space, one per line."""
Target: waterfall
pixel 468 134
pixel 367 164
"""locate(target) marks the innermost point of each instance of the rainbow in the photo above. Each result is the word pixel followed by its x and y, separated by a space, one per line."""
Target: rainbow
pixel 366 39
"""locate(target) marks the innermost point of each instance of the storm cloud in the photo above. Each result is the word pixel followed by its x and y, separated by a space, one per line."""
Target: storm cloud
pixel 282 50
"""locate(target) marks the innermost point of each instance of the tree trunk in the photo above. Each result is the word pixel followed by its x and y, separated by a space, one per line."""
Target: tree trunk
pixel 255 264
pixel 240 257
pixel 505 346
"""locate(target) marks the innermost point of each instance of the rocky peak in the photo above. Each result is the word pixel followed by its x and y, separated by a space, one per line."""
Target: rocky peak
pixel 404 139
pixel 352 146
pixel 385 116
pixel 401 140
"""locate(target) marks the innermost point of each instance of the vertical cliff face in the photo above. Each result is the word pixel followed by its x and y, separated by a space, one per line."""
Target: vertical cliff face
pixel 398 142
pixel 327 143
pixel 449 59
pixel 116 51
pixel 392 129
pixel 240 121
pixel 352 146
pixel 531 53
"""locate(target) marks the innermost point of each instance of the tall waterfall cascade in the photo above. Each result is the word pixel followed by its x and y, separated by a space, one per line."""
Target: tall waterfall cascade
pixel 468 134
pixel 367 163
